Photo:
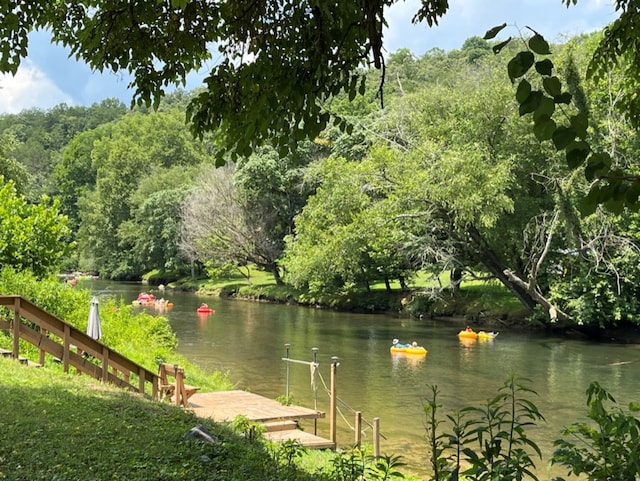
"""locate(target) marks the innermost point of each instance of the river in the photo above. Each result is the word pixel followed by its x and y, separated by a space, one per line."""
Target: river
pixel 248 340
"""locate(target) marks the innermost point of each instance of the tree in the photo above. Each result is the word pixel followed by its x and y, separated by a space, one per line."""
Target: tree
pixel 10 168
pixel 348 235
pixel 75 174
pixel 32 236
pixel 218 227
pixel 558 119
pixel 136 150
pixel 42 134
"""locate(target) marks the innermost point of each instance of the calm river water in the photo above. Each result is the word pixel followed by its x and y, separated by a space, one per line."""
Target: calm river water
pixel 248 339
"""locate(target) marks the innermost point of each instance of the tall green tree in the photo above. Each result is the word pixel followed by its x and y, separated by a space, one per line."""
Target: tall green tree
pixel 10 168
pixel 138 147
pixel 347 236
pixel 43 134
pixel 33 236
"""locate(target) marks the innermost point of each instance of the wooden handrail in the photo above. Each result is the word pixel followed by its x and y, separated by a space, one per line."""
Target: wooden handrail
pixel 69 345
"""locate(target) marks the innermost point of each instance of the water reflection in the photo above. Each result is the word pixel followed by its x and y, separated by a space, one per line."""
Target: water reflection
pixel 247 339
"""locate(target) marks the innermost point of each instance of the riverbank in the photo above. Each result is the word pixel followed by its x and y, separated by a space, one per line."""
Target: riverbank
pixel 484 304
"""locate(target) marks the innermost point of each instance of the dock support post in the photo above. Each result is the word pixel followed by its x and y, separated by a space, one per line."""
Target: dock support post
pixel 358 429
pixel 332 409
pixel 314 383
pixel 376 437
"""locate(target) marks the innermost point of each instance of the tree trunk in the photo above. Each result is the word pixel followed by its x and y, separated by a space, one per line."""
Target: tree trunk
pixel 387 284
pixel 276 274
pixel 557 316
pixel 456 277
pixel 479 248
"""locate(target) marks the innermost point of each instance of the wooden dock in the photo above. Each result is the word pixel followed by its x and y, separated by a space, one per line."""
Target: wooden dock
pixel 224 406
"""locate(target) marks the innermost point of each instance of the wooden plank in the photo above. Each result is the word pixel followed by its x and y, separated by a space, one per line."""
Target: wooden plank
pixel 280 426
pixel 306 439
pixel 224 406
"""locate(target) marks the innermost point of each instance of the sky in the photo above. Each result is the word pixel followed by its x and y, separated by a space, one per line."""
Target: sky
pixel 48 76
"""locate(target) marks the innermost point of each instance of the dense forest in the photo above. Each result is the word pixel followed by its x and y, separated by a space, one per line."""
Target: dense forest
pixel 445 176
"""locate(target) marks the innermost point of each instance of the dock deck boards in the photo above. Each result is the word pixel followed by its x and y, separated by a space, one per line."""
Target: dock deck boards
pixel 224 406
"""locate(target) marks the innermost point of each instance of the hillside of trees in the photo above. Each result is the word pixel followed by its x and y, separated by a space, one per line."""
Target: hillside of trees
pixel 446 176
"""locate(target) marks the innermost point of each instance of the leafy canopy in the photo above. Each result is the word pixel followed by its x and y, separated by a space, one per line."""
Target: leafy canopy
pixel 276 62
pixel 279 63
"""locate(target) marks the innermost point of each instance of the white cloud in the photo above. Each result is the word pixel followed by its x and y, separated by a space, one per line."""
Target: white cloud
pixel 29 88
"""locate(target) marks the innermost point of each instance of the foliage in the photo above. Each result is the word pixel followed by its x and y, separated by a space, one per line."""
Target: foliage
pixel 10 168
pixel 250 430
pixel 217 228
pixel 143 166
pixel 556 120
pixel 488 443
pixel 47 292
pixel 606 448
pixel 307 54
pixel 41 136
pixel 32 236
pixel 346 236
pixel 356 464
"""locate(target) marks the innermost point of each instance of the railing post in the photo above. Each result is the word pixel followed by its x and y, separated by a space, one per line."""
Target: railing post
pixel 376 437
pixel 179 375
pixel 105 363
pixel 332 409
pixel 65 348
pixel 357 427
pixel 43 333
pixel 16 328
pixel 141 380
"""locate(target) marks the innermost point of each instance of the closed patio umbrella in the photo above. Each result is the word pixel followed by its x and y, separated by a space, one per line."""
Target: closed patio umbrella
pixel 93 326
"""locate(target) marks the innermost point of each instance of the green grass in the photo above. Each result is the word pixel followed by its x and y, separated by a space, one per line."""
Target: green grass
pixel 69 427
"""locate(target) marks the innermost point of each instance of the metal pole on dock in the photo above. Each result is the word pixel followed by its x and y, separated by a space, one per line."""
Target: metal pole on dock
pixel 332 409
pixel 315 388
pixel 376 437
pixel 287 347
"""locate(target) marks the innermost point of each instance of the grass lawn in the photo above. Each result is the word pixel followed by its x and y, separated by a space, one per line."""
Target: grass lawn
pixel 59 426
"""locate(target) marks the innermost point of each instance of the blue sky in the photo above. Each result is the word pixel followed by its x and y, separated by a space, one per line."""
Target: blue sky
pixel 48 77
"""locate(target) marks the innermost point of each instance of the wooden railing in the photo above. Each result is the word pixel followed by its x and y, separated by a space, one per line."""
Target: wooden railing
pixel 72 347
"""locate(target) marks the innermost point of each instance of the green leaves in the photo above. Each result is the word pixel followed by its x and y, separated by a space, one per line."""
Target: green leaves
pixel 614 190
pixel 539 45
pixel 520 64
pixel 562 137
pixel 34 236
pixel 608 446
pixel 492 32
pixel 552 86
